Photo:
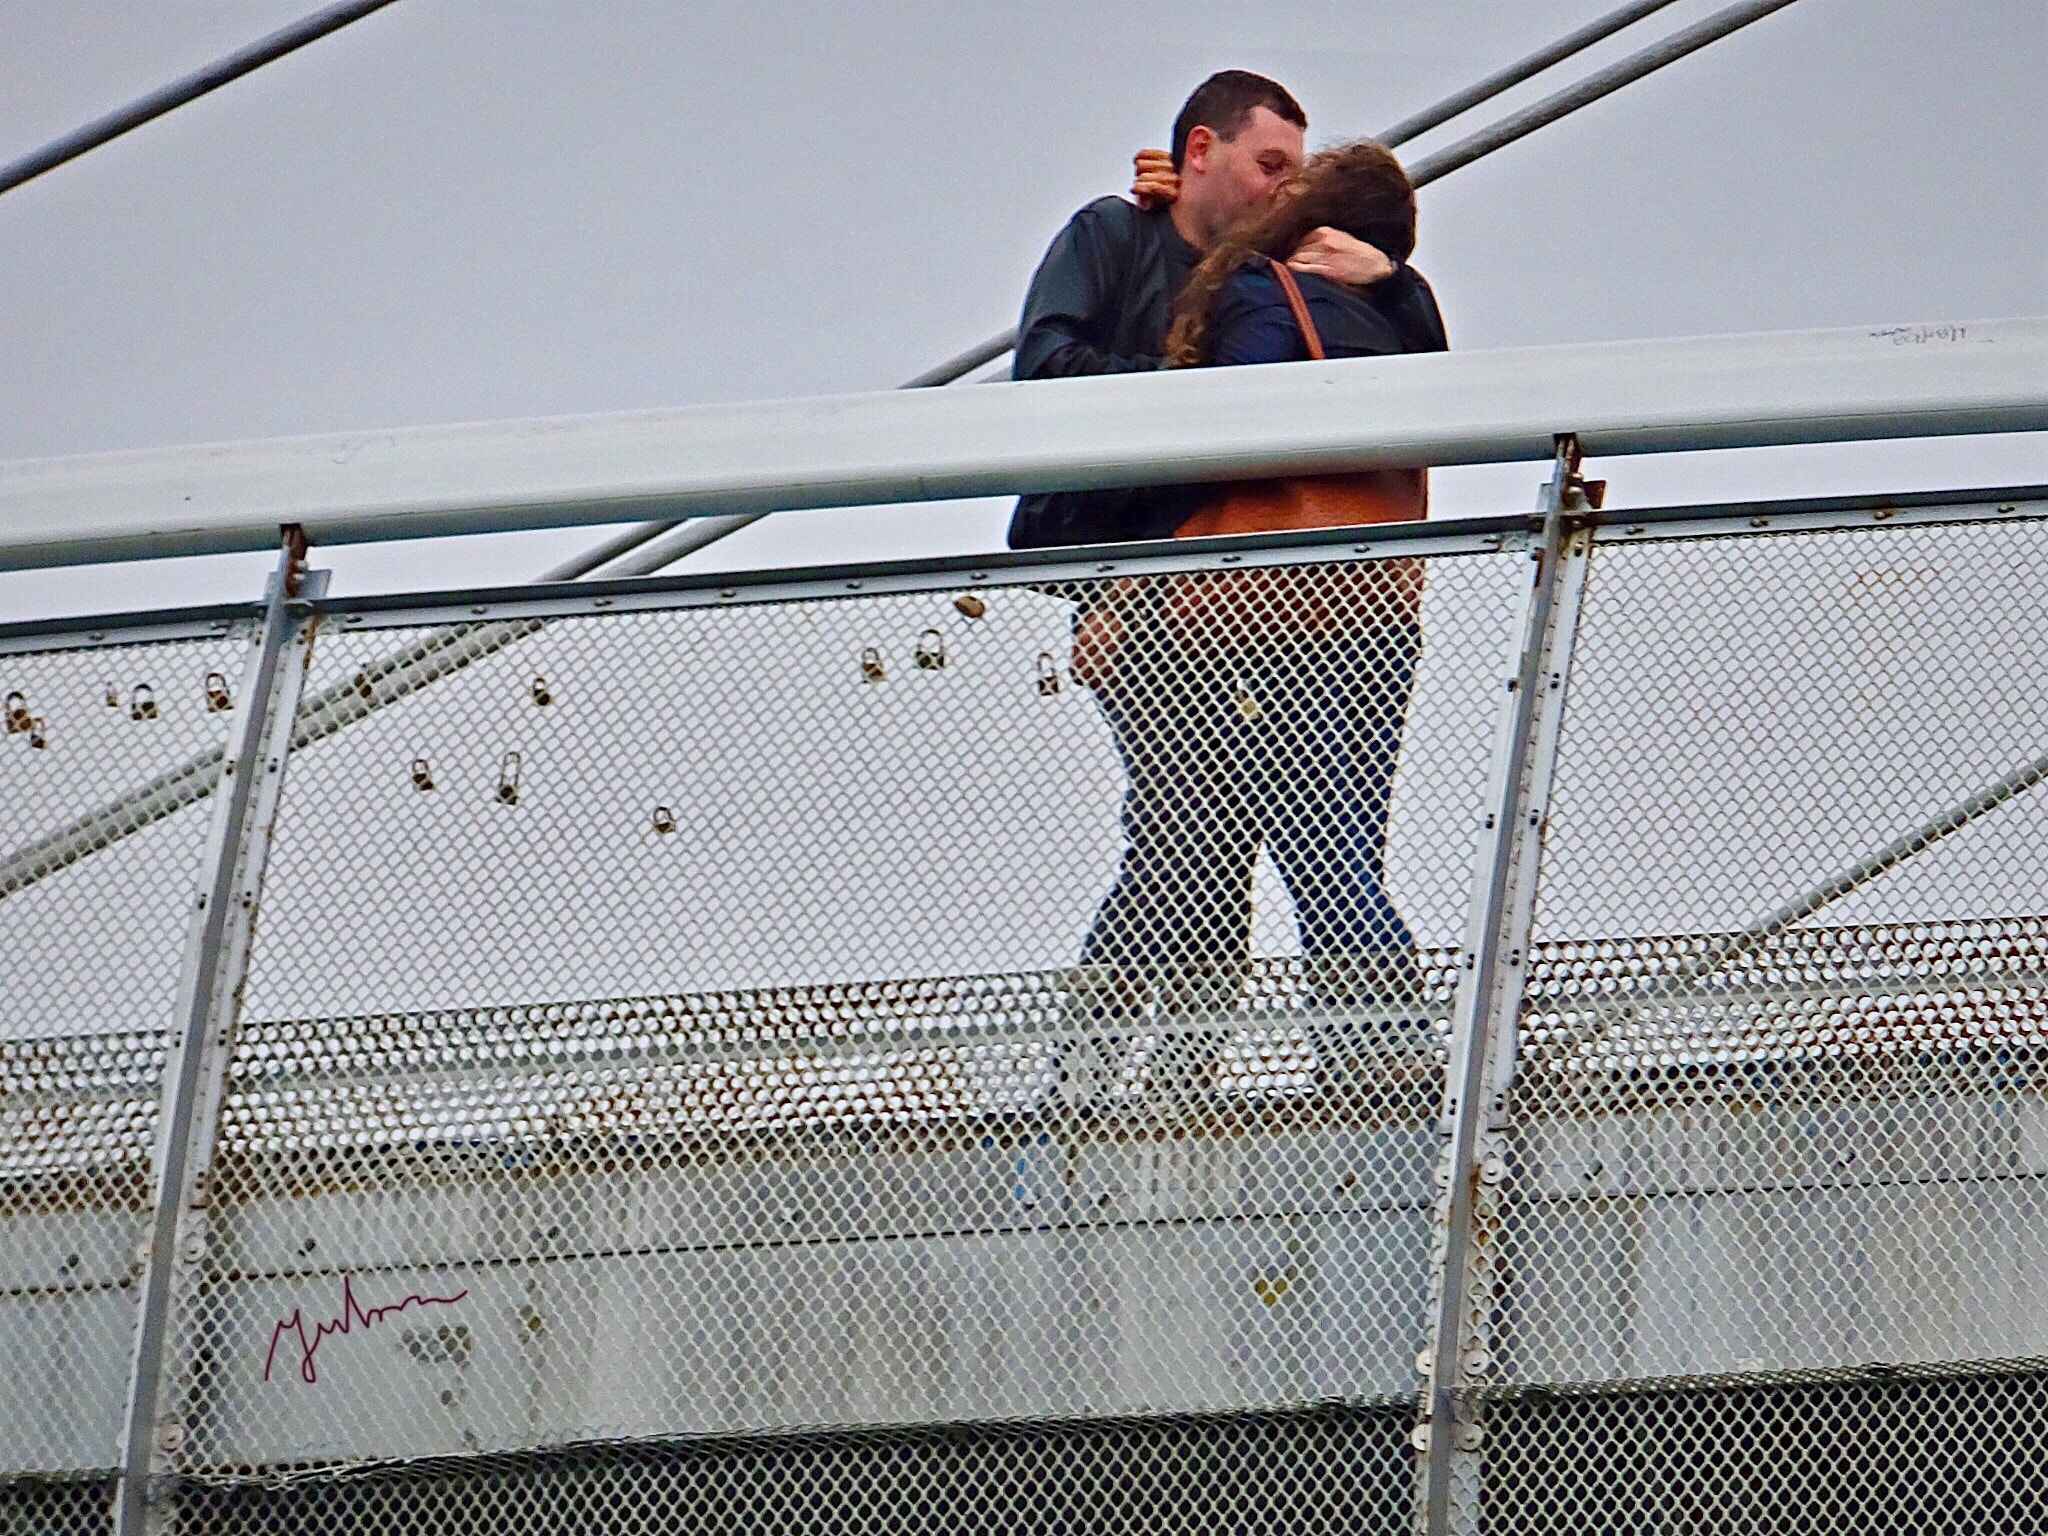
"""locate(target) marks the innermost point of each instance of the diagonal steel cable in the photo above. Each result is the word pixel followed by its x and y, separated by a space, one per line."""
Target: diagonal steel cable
pixel 168 98
pixel 1460 102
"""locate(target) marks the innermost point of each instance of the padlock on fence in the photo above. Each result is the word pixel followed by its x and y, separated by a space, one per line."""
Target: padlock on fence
pixel 422 774
pixel 541 693
pixel 871 668
pixel 1048 675
pixel 508 779
pixel 931 651
pixel 37 737
pixel 218 699
pixel 664 820
pixel 17 712
pixel 142 702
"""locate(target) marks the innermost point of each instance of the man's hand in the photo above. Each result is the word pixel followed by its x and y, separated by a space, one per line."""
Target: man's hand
pixel 1157 183
pixel 1341 258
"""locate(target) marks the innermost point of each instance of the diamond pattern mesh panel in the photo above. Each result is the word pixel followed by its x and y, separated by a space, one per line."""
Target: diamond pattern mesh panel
pixel 96 894
pixel 1889 1452
pixel 1311 1473
pixel 837 1014
pixel 1779 1104
pixel 54 1506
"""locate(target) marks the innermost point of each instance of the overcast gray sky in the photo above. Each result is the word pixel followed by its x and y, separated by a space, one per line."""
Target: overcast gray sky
pixel 457 210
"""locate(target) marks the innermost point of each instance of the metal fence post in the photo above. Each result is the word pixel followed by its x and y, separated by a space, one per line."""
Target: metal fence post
pixel 195 1072
pixel 1449 1432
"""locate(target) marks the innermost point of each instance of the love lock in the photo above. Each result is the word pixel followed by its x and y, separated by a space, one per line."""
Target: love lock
pixel 17 712
pixel 931 650
pixel 541 695
pixel 970 605
pixel 113 695
pixel 664 820
pixel 508 779
pixel 142 702
pixel 218 699
pixel 37 737
pixel 1048 675
pixel 871 667
pixel 422 775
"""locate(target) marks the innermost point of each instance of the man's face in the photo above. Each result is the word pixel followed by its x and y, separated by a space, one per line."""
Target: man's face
pixel 1234 177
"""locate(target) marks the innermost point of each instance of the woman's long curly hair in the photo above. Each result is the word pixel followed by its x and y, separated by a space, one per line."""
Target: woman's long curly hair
pixel 1359 188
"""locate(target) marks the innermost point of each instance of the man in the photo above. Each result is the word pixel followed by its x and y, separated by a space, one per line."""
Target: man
pixel 1178 920
pixel 1101 298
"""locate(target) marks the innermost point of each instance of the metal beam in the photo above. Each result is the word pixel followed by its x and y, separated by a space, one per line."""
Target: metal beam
pixel 1487 1006
pixel 927 445
pixel 209 990
pixel 264 50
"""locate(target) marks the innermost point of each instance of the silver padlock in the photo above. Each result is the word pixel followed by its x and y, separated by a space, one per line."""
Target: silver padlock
pixel 508 779
pixel 1048 675
pixel 542 695
pixel 218 699
pixel 871 668
pixel 664 820
pixel 931 650
pixel 422 774
pixel 142 702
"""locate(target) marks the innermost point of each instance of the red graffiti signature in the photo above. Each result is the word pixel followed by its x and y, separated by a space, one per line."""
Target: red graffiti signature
pixel 352 1312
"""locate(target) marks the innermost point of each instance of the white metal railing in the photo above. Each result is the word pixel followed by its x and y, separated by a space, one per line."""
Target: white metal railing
pixel 924 445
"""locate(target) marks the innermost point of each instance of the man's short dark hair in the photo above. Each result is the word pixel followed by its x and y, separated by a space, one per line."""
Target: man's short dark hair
pixel 1225 102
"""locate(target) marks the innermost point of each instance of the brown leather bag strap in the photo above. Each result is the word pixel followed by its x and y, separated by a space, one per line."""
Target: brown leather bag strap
pixel 1299 305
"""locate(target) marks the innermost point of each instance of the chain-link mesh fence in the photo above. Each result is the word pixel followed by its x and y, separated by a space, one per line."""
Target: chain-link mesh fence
pixel 96 895
pixel 1012 1005
pixel 1779 1101
pixel 971 1058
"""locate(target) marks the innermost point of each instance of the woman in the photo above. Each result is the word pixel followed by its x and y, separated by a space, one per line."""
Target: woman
pixel 1267 706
